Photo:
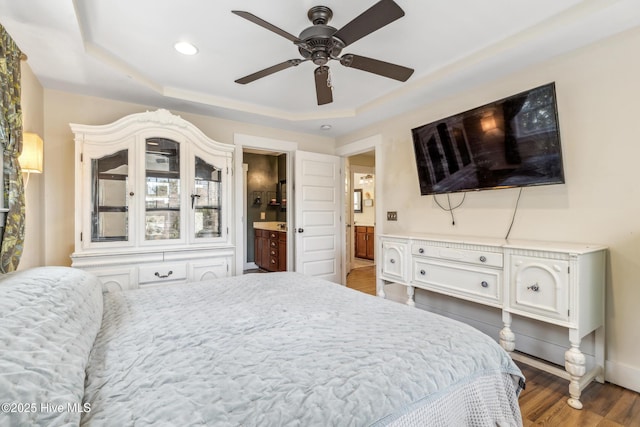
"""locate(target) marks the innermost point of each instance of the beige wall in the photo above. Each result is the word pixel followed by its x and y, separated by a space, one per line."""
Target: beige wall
pixel 62 108
pixel 33 121
pixel 598 92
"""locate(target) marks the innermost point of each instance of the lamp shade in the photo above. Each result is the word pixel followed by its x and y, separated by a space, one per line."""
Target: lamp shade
pixel 31 157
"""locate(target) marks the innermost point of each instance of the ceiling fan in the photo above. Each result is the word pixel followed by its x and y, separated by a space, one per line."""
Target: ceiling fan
pixel 322 43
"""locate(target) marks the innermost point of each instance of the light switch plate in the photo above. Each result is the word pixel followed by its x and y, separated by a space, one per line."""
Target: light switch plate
pixel 392 216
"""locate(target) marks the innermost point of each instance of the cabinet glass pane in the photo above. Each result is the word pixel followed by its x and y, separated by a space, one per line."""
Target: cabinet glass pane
pixel 205 200
pixel 162 195
pixel 110 211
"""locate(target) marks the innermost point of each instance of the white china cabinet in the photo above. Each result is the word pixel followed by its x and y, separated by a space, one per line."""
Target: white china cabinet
pixel 153 202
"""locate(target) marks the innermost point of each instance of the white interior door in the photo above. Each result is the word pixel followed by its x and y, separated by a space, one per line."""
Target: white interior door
pixel 317 222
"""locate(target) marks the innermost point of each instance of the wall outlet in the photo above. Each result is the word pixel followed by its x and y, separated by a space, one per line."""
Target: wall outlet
pixel 263 215
pixel 392 216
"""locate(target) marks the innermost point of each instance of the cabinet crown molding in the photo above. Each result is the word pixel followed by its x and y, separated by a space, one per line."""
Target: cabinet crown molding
pixel 133 123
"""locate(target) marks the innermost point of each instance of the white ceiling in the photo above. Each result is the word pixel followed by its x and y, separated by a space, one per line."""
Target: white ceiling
pixel 123 50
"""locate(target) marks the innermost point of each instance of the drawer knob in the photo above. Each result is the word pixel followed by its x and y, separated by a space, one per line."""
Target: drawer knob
pixel 484 284
pixel 421 250
pixel 392 261
pixel 423 272
pixel 483 258
pixel 534 287
pixel 164 276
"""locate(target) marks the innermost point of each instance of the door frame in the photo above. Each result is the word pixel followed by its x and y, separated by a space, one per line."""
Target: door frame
pixel 362 170
pixel 241 142
pixel 357 147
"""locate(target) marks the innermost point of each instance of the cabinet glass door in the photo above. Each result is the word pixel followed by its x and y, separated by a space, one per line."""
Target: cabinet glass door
pixel 205 199
pixel 162 198
pixel 110 211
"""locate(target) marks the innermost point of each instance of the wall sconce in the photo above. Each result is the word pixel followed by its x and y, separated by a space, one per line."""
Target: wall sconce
pixel 488 123
pixel 366 180
pixel 32 153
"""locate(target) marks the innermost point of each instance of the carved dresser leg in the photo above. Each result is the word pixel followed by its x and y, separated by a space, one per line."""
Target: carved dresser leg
pixel 574 363
pixel 410 292
pixel 507 337
pixel 380 288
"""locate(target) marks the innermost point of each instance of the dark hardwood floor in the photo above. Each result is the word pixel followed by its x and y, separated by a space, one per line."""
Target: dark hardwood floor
pixel 544 400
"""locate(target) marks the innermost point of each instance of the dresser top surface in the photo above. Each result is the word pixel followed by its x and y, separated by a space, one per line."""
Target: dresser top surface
pixel 578 248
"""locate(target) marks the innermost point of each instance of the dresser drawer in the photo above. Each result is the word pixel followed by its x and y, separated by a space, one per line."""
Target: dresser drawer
pixel 468 282
pixel 490 259
pixel 162 272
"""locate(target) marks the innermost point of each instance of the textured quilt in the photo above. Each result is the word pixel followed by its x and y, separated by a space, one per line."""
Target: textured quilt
pixel 49 318
pixel 283 349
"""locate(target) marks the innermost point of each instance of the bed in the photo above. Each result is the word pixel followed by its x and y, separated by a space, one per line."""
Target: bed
pixel 255 350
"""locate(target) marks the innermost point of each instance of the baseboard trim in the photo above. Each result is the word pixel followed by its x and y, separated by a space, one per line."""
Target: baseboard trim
pixel 623 375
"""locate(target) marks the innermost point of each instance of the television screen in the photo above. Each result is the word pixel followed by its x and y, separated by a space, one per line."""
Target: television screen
pixel 512 142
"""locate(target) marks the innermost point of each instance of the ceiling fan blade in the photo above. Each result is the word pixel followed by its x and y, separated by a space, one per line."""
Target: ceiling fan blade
pixel 375 66
pixel 324 92
pixel 253 18
pixel 270 70
pixel 377 16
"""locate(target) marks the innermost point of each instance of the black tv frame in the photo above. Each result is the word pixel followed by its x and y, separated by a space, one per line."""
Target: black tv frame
pixel 511 142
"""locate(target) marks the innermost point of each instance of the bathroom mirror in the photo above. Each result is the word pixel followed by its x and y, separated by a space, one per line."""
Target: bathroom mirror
pixel 357 200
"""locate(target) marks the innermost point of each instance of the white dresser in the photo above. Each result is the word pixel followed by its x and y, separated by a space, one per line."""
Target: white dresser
pixel 557 283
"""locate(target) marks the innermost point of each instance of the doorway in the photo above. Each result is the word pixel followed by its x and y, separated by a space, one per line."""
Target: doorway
pixel 266 210
pixel 244 199
pixel 362 214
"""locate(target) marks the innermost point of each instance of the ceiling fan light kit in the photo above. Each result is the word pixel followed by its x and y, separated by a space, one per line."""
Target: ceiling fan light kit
pixel 322 43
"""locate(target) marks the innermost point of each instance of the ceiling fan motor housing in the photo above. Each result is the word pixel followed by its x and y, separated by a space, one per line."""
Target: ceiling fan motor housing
pixel 319 45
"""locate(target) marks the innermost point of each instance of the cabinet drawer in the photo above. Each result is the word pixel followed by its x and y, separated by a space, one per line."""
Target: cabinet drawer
pixel 475 284
pixel 490 259
pixel 273 263
pixel 163 272
pixel 540 287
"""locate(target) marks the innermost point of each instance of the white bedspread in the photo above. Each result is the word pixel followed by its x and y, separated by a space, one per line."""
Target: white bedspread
pixel 282 349
pixel 49 318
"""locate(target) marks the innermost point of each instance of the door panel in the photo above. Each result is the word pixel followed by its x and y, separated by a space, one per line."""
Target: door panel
pixel 318 203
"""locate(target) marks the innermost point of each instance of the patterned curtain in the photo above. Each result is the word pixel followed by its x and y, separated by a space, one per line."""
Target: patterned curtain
pixel 11 140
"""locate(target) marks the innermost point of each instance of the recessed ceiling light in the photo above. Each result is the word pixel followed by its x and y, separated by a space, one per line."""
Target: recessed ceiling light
pixel 186 48
pixel 325 127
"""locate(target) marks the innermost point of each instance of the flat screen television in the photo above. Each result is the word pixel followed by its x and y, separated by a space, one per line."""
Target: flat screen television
pixel 512 142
